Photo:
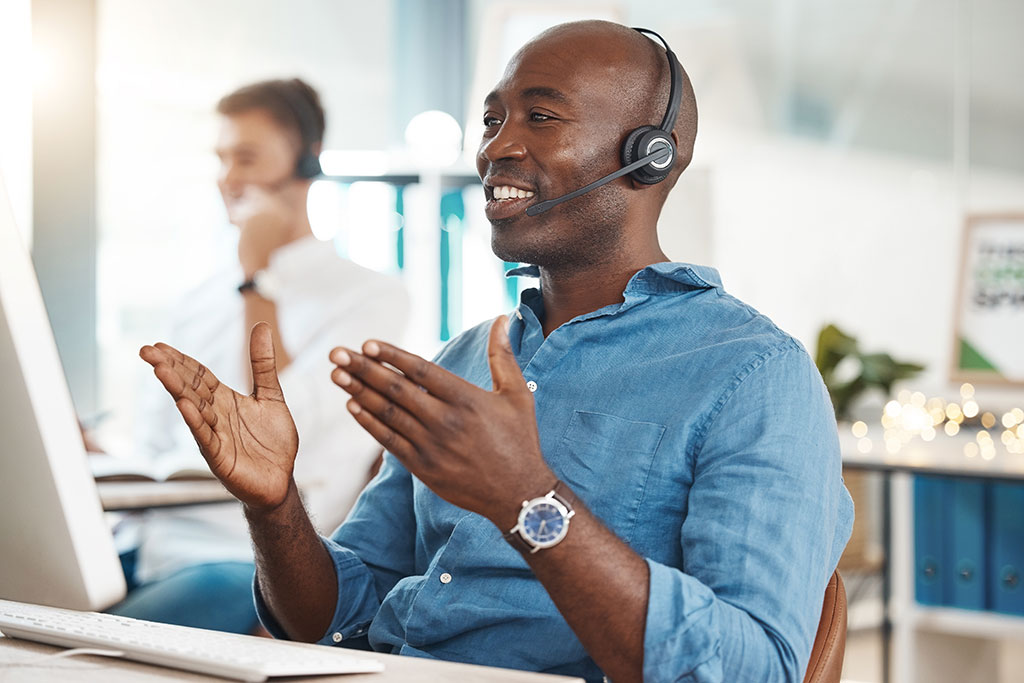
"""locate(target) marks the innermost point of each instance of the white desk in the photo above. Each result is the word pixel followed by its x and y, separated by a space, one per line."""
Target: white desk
pixel 15 654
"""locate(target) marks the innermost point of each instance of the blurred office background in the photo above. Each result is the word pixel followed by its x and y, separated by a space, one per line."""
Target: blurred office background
pixel 842 146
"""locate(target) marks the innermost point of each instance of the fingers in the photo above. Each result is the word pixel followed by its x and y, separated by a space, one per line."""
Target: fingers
pixel 436 380
pixel 409 424
pixel 386 436
pixel 176 387
pixel 181 383
pixel 192 372
pixel 356 370
pixel 209 443
pixel 265 382
pixel 505 372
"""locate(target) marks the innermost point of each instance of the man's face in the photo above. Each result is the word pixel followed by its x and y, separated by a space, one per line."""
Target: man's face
pixel 552 125
pixel 253 150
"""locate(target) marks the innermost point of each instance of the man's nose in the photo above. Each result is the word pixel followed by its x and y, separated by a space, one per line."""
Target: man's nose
pixel 229 179
pixel 507 143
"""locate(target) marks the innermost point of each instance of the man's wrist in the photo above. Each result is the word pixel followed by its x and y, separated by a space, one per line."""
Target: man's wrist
pixel 536 529
pixel 250 268
pixel 274 513
pixel 506 512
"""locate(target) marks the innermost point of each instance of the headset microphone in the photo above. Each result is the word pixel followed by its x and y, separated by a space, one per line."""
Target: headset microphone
pixel 661 154
pixel 648 152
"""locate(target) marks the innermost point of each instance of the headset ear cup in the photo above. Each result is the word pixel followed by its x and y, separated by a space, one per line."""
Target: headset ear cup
pixel 635 148
pixel 629 147
pixel 308 166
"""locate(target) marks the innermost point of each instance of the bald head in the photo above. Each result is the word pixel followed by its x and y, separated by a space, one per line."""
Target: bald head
pixel 634 65
pixel 554 124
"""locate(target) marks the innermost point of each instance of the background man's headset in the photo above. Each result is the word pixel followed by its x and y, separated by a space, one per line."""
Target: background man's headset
pixel 648 152
pixel 308 165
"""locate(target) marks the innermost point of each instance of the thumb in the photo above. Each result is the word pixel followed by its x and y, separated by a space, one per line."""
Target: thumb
pixel 264 368
pixel 505 372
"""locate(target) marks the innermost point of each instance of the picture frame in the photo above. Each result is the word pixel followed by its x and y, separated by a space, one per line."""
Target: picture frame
pixel 988 328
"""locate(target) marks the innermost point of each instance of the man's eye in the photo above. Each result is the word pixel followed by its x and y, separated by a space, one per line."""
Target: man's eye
pixel 491 121
pixel 537 116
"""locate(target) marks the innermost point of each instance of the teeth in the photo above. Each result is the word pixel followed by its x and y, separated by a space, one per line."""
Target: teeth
pixel 509 192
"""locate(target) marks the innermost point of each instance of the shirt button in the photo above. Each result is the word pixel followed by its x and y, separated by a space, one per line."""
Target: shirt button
pixel 337 637
pixel 532 386
pixel 446 578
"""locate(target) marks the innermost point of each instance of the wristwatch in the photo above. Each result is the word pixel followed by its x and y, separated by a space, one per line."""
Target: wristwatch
pixel 263 283
pixel 543 522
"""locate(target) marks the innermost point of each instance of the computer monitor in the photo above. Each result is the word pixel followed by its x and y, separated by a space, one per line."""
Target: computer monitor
pixel 55 546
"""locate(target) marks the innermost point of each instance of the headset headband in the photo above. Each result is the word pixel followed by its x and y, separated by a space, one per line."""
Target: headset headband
pixel 675 94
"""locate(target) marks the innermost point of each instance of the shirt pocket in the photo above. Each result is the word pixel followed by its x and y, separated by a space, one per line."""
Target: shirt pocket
pixel 606 462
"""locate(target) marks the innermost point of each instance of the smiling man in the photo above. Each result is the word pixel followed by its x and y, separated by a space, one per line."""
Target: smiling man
pixel 634 475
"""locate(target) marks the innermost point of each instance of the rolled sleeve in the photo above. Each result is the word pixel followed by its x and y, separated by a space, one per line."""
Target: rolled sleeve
pixel 371 552
pixel 768 517
pixel 357 599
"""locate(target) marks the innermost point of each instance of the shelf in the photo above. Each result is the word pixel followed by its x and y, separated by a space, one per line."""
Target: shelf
pixel 965 622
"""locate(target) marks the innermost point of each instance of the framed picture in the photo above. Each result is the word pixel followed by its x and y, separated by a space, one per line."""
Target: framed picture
pixel 988 341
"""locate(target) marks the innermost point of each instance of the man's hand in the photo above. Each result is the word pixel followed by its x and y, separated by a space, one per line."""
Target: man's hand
pixel 249 442
pixel 266 220
pixel 477 449
pixel 90 443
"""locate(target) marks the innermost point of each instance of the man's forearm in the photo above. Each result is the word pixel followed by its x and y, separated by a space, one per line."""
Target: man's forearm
pixel 294 571
pixel 608 609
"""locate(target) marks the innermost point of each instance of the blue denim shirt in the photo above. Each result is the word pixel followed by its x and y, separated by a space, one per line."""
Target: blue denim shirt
pixel 694 428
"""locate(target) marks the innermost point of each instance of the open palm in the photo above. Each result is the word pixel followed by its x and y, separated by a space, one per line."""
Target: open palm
pixel 249 442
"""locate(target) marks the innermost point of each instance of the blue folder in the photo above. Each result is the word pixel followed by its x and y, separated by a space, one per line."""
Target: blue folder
pixel 964 584
pixel 1006 548
pixel 929 528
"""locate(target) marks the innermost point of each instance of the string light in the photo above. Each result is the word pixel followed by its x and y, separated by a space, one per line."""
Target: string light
pixel 913 415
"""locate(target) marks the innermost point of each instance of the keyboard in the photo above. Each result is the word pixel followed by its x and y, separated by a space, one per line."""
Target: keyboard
pixel 245 658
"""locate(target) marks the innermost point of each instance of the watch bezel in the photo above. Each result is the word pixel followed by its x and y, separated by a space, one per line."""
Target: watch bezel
pixel 529 506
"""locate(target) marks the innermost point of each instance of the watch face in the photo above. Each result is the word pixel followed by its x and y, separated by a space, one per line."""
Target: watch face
pixel 544 523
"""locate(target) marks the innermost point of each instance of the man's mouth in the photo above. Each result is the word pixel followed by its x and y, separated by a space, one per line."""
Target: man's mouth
pixel 503 193
pixel 506 200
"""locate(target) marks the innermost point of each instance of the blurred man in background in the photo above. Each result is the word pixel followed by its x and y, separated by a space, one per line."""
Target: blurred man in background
pixel 193 566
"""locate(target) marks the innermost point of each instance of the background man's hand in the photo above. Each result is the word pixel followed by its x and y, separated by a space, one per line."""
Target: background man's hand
pixel 90 443
pixel 249 442
pixel 476 449
pixel 266 220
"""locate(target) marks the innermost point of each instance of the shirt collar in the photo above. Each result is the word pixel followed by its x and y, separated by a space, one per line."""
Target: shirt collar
pixel 654 279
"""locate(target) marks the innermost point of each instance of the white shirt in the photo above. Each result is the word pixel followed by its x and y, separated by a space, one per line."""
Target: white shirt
pixel 323 301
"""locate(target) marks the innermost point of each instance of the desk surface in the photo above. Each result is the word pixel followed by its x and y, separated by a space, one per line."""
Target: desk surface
pixel 135 495
pixel 17 657
pixel 942 456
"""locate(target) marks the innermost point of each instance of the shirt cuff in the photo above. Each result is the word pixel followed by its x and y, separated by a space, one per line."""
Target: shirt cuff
pixel 680 637
pixel 351 614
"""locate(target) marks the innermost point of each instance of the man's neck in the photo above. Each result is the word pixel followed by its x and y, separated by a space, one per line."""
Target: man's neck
pixel 572 292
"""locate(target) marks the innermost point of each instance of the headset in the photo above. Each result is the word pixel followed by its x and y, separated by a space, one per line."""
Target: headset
pixel 308 165
pixel 648 152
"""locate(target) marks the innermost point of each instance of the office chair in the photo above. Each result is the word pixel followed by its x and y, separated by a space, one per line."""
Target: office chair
pixel 826 665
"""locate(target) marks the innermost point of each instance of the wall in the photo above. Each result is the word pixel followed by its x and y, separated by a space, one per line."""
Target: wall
pixel 16 112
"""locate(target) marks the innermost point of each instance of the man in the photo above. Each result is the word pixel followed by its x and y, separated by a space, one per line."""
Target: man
pixel 635 475
pixel 194 566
